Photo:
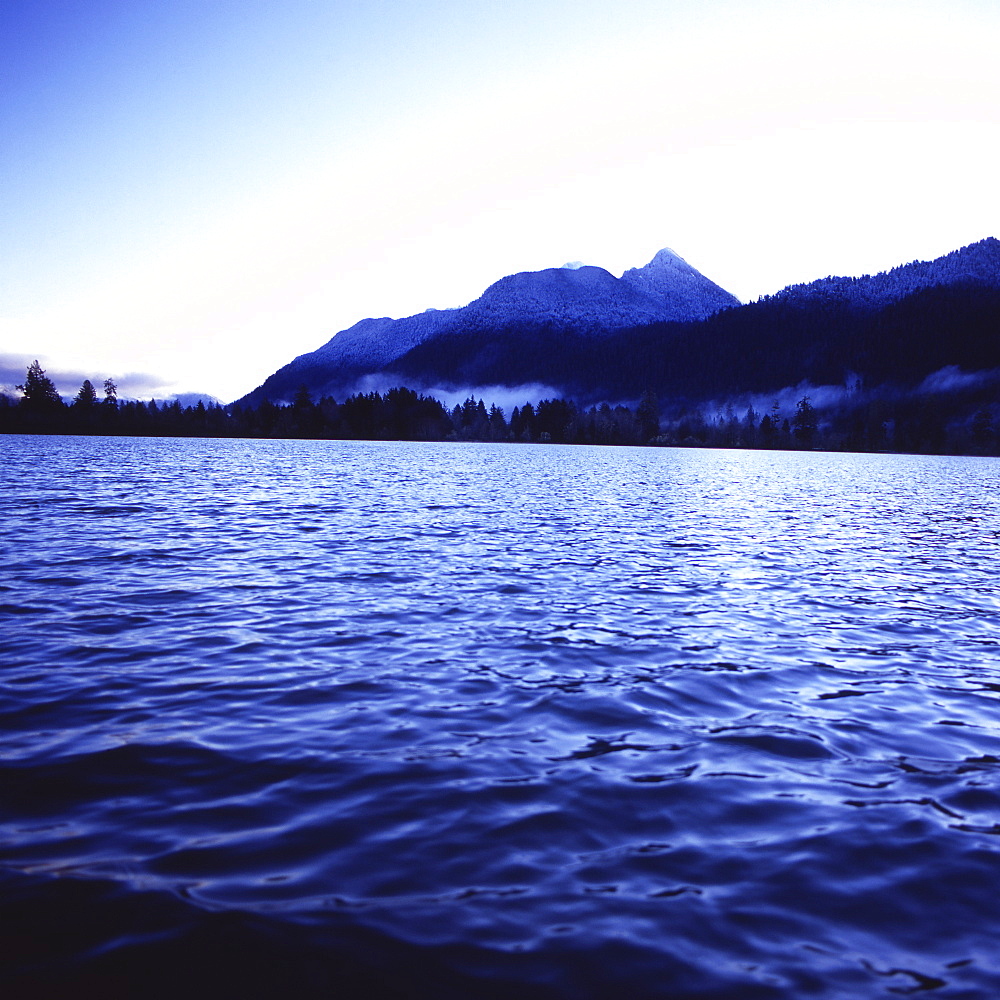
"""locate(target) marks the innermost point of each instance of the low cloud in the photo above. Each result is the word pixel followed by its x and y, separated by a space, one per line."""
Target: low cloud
pixel 504 396
pixel 140 385
pixel 951 378
pixel 786 399
pixel 190 399
pixel 137 385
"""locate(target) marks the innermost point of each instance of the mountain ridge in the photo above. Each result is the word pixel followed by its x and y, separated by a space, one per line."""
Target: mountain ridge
pixel 665 327
pixel 824 330
pixel 977 263
pixel 584 299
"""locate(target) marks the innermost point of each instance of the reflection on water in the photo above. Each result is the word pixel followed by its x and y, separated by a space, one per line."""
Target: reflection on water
pixel 486 720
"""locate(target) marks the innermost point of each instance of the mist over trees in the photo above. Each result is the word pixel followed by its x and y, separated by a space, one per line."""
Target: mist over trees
pixel 954 414
pixel 893 329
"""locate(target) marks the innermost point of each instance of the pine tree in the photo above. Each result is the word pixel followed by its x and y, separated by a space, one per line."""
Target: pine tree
pixel 804 422
pixel 767 430
pixel 87 396
pixel 648 416
pixel 40 393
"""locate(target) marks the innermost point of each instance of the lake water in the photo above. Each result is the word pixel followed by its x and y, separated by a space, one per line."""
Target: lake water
pixel 356 719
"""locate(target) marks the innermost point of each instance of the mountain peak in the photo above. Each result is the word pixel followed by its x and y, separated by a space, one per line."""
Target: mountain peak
pixel 668 256
pixel 581 299
pixel 669 277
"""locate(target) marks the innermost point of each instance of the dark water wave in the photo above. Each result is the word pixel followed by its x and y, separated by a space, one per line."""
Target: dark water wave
pixel 352 719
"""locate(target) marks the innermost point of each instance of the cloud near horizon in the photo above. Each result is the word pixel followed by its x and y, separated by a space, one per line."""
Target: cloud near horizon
pixel 138 385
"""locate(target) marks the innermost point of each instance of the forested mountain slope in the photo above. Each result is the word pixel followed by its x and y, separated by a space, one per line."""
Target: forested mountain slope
pixel 577 301
pixel 897 327
pixel 668 329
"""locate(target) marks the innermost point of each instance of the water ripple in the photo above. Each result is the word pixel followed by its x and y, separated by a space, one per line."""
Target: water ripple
pixel 490 720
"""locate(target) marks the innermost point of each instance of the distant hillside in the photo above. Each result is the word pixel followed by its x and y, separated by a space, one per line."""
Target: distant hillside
pixel 977 264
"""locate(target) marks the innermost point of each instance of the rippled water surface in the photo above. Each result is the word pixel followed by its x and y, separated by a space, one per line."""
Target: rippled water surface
pixel 351 719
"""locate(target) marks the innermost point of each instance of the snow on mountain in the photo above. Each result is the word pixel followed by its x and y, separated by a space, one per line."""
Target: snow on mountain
pixel 586 298
pixel 583 298
pixel 978 263
pixel 685 293
pixel 372 343
pixel 591 299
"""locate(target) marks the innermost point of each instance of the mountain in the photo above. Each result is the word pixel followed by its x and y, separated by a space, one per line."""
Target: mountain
pixel 899 326
pixel 574 301
pixel 667 328
pixel 689 294
pixel 591 300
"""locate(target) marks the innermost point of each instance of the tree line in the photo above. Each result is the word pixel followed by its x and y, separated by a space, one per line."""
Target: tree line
pixel 861 422
pixel 398 414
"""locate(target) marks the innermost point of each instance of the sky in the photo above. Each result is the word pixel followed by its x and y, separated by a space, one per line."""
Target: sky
pixel 193 192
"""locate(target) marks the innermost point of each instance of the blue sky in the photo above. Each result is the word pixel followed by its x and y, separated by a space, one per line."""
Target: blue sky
pixel 195 192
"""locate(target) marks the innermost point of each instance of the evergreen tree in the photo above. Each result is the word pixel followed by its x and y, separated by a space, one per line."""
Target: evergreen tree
pixel 767 430
pixel 87 396
pixel 498 424
pixel 307 418
pixel 804 422
pixel 469 412
pixel 748 430
pixel 40 393
pixel 775 415
pixel 515 425
pixel 648 416
pixel 527 423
